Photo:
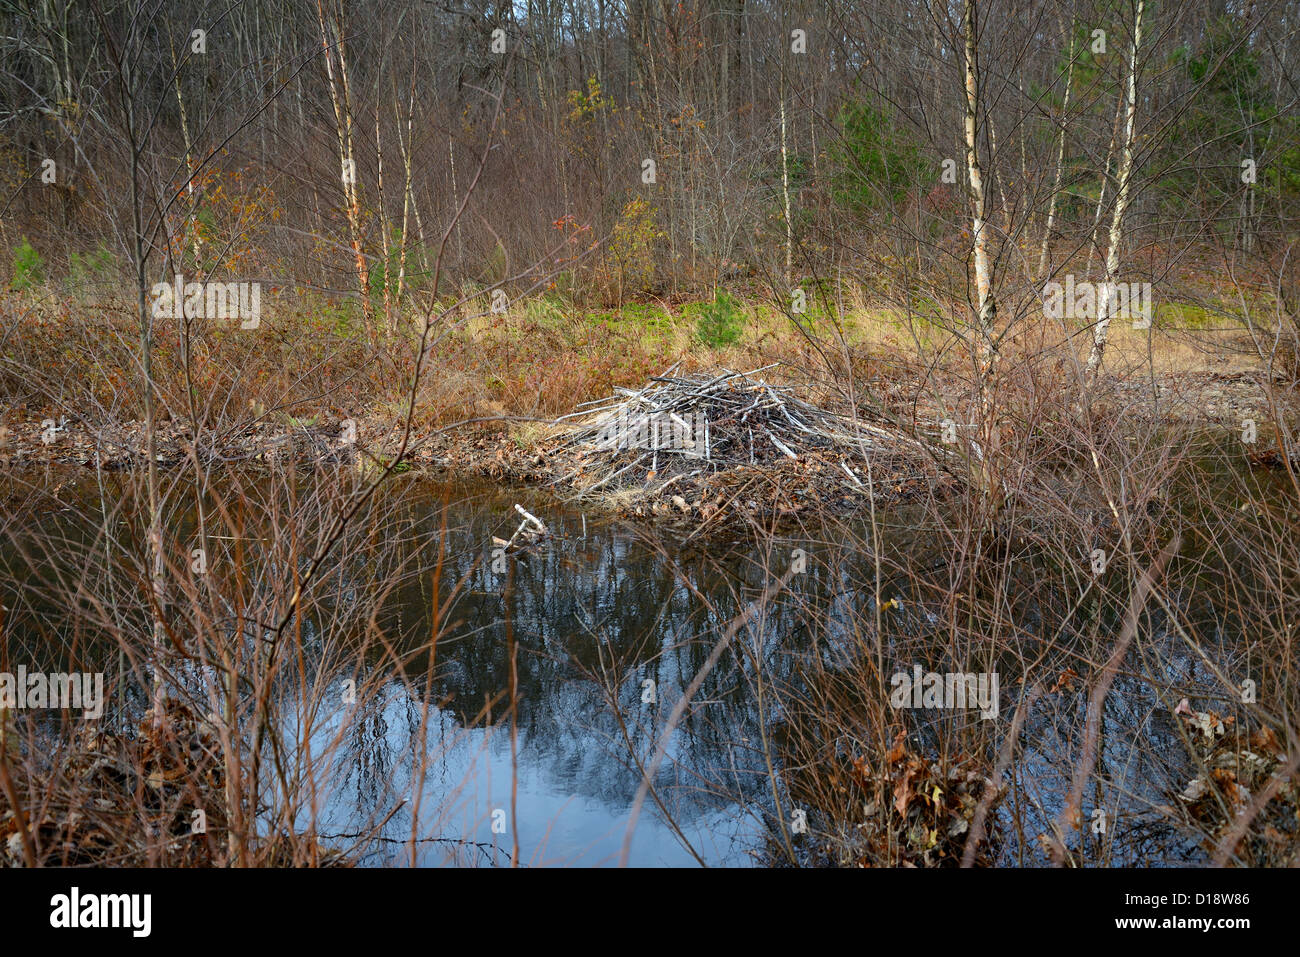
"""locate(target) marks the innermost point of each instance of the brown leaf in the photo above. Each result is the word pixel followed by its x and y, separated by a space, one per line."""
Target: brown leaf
pixel 903 791
pixel 903 794
pixel 1065 682
pixel 897 751
pixel 1266 740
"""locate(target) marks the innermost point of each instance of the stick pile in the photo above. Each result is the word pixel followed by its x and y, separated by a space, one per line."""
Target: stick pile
pixel 686 425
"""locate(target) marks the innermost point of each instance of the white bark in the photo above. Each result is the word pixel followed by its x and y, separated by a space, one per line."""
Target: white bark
pixel 785 188
pixel 341 99
pixel 1124 185
pixel 986 448
pixel 986 307
pixel 1105 180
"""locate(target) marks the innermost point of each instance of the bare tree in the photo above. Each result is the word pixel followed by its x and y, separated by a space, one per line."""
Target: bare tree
pixel 1124 189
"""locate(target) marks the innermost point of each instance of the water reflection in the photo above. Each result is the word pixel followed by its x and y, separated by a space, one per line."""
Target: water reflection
pixel 598 630
pixel 592 614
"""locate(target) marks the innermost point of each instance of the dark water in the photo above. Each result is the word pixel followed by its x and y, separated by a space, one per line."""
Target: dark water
pixel 578 625
pixel 594 612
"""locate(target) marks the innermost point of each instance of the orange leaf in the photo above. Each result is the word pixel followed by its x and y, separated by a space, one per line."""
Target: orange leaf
pixel 897 751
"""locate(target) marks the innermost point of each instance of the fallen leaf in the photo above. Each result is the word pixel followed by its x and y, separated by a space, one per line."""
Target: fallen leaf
pixel 903 792
pixel 897 751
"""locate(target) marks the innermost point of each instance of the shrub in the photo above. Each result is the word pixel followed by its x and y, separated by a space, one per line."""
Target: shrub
pixel 29 267
pixel 874 160
pixel 88 268
pixel 630 256
pixel 720 322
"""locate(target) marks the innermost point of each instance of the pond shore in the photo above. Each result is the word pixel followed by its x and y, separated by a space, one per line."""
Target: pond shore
pixel 769 484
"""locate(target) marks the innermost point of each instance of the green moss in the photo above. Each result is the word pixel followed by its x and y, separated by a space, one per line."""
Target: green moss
pixel 1181 315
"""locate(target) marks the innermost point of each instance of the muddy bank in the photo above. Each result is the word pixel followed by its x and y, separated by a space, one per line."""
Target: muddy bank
pixel 747 475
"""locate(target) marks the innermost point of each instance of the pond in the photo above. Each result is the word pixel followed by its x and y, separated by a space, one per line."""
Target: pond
pixel 599 629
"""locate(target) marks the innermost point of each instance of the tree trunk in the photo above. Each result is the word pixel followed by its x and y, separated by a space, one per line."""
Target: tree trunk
pixel 986 307
pixel 1125 185
pixel 1060 162
pixel 1105 182
pixel 342 102
pixel 985 452
pixel 785 185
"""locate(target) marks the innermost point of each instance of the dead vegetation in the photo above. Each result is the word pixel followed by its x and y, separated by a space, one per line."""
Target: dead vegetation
pixel 708 444
pixel 154 797
pixel 902 809
pixel 1240 776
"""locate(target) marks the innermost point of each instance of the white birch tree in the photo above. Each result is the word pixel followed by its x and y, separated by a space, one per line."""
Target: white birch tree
pixel 1124 189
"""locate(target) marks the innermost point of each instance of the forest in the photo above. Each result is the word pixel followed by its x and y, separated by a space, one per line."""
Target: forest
pixel 691 433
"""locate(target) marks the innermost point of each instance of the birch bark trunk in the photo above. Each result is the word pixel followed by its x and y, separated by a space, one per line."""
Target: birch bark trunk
pixel 984 452
pixel 342 102
pixel 1105 301
pixel 986 307
pixel 1105 181
pixel 785 186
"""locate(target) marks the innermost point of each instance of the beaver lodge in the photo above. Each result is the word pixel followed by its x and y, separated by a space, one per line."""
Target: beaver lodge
pixel 703 446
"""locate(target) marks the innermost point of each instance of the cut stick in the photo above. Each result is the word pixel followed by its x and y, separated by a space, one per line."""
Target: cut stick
pixel 530 517
pixel 510 544
pixel 779 445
